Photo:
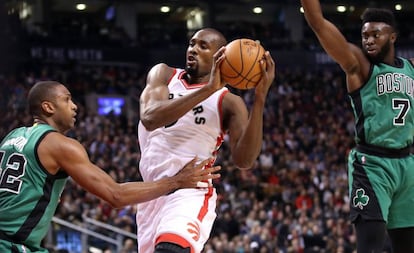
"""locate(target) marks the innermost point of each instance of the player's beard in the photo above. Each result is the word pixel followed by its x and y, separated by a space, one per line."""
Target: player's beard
pixel 190 70
pixel 380 56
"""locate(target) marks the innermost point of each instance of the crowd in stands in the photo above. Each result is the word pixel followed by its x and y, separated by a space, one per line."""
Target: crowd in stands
pixel 295 198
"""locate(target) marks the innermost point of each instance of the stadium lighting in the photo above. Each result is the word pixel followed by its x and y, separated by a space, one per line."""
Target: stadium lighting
pixel 165 9
pixel 340 8
pixel 398 7
pixel 80 7
pixel 257 10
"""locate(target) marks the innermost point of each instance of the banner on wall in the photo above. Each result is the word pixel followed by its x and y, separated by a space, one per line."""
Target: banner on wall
pixel 176 57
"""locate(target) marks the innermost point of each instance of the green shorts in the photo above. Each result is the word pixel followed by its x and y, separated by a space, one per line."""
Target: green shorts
pixel 7 246
pixel 381 188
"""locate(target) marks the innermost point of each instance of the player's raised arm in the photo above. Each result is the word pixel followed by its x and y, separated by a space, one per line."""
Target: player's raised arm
pixel 329 36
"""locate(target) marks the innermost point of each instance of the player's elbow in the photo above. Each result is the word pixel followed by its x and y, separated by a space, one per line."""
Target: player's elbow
pixel 243 163
pixel 115 198
pixel 149 126
pixel 149 123
pixel 116 204
pixel 245 157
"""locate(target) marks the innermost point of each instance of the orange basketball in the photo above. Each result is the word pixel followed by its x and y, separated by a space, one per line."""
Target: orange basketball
pixel 241 67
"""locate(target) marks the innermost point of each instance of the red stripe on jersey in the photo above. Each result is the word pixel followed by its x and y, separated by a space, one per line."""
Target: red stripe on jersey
pixel 220 108
pixel 204 208
pixel 173 74
pixel 187 85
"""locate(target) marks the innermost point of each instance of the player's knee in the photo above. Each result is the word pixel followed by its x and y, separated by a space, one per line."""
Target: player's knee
pixel 168 247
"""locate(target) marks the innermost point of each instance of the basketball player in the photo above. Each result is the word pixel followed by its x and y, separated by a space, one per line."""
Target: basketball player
pixel 381 167
pixel 187 112
pixel 36 161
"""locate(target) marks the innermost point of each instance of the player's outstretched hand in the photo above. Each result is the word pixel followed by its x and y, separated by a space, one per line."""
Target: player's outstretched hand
pixel 195 175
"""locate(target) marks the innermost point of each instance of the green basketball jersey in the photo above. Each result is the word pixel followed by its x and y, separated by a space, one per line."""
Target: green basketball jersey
pixel 384 108
pixel 29 195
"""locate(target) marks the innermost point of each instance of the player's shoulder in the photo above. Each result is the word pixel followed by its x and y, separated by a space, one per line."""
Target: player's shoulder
pixel 59 142
pixel 162 67
pixel 401 60
pixel 162 70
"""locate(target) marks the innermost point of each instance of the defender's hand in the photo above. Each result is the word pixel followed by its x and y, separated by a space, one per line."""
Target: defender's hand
pixel 196 176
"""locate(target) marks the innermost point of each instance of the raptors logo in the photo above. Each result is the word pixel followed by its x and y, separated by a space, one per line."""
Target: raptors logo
pixel 194 229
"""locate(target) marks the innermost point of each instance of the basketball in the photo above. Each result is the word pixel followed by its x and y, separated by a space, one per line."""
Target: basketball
pixel 241 66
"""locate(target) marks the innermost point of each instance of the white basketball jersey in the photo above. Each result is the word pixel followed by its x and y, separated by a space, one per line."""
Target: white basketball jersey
pixel 167 149
pixel 186 213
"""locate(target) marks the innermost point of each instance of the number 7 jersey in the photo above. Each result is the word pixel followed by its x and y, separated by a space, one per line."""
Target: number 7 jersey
pixel 383 107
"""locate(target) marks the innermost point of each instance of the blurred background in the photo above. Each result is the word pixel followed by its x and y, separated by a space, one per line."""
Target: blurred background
pixel 293 200
pixel 153 31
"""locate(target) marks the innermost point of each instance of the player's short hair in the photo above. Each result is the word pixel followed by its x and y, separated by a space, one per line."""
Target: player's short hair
pixel 379 15
pixel 221 38
pixel 40 92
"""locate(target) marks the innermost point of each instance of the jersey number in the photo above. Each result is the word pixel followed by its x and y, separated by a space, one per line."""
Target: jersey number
pixel 13 171
pixel 404 106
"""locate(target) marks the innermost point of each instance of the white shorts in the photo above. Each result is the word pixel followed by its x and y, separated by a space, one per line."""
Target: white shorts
pixel 184 217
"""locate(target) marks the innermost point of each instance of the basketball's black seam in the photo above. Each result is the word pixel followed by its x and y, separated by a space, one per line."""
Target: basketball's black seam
pixel 251 67
pixel 238 73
